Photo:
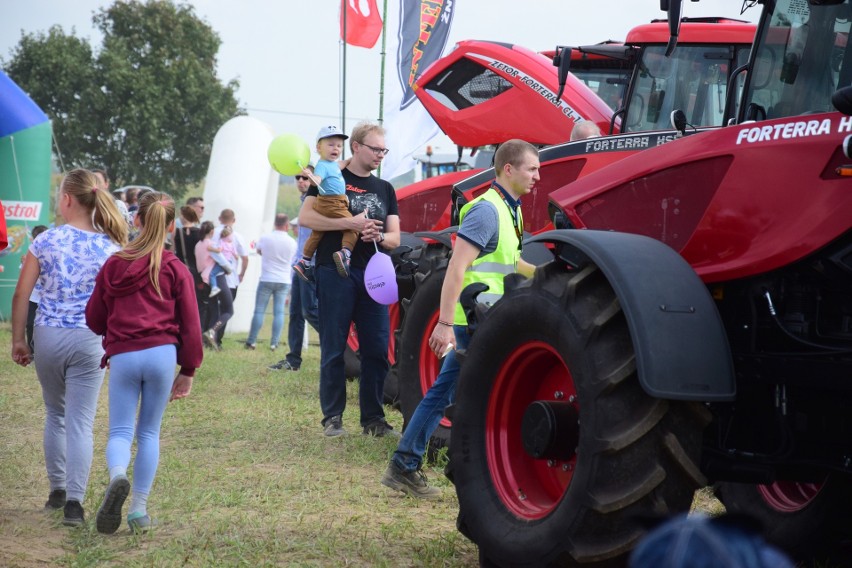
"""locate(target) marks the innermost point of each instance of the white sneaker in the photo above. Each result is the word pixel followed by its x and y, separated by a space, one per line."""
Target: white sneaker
pixel 214 290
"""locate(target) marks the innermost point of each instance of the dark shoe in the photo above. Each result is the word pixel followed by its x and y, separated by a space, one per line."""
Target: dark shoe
pixel 140 524
pixel 251 346
pixel 283 365
pixel 109 515
pixel 74 516
pixel 209 339
pixel 380 428
pixel 409 482
pixel 56 499
pixel 341 261
pixel 305 271
pixel 334 427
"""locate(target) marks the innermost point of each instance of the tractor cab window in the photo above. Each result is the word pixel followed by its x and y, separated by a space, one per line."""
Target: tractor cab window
pixel 693 79
pixel 607 78
pixel 466 83
pixel 802 58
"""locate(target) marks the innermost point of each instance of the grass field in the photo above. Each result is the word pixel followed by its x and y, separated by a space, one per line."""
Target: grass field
pixel 246 479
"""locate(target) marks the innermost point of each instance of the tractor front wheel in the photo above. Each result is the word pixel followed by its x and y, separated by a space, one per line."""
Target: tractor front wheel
pixel 556 447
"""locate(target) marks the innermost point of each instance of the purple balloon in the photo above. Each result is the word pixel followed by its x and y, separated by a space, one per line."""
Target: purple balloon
pixel 380 279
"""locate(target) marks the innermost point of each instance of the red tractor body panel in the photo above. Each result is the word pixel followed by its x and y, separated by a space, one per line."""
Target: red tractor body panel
pixel 703 197
pixel 486 93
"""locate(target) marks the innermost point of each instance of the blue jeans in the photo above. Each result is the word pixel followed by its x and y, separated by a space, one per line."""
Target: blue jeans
pixel 139 379
pixel 341 301
pixel 278 291
pixel 303 308
pixel 429 413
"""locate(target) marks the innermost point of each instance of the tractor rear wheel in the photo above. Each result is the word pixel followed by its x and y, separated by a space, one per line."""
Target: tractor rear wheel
pixel 556 446
pixel 807 520
pixel 417 366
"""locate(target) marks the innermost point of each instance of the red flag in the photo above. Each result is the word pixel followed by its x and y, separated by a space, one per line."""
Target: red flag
pixel 363 23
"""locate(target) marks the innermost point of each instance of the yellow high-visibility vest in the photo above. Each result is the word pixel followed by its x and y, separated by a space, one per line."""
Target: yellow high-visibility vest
pixel 491 268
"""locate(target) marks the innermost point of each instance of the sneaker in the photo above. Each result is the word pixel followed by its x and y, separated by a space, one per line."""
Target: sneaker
pixel 109 515
pixel 251 346
pixel 209 339
pixel 334 427
pixel 74 516
pixel 304 270
pixel 56 499
pixel 214 291
pixel 140 523
pixel 409 482
pixel 283 365
pixel 380 428
pixel 341 261
pixel 273 347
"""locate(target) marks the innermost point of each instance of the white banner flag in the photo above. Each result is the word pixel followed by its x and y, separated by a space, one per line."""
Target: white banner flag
pixel 417 35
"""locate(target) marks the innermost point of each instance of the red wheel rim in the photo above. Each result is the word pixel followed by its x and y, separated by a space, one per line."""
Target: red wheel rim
pixel 530 488
pixel 430 365
pixel 789 496
pixel 393 313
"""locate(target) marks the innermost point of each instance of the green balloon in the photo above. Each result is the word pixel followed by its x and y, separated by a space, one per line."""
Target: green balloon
pixel 289 154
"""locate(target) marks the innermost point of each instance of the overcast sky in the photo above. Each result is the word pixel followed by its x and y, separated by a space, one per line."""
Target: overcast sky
pixel 286 53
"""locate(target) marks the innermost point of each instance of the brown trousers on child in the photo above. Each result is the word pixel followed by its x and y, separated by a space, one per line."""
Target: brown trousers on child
pixel 333 207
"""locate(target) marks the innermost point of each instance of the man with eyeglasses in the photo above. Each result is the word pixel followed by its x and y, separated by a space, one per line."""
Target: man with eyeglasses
pixel 303 296
pixel 487 248
pixel 375 215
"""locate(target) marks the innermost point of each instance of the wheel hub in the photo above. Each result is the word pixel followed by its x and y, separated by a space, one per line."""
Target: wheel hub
pixel 550 430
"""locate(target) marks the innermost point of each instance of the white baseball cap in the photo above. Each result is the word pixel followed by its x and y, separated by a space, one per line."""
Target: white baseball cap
pixel 329 131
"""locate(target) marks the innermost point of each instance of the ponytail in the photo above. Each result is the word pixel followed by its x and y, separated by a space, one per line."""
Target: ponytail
pixel 108 219
pixel 85 187
pixel 156 213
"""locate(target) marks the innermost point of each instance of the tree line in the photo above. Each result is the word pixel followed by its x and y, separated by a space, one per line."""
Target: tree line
pixel 146 104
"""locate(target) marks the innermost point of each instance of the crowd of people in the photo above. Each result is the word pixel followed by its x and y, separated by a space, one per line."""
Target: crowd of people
pixel 136 284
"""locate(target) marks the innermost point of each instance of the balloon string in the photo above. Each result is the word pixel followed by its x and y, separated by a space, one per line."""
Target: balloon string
pixel 375 241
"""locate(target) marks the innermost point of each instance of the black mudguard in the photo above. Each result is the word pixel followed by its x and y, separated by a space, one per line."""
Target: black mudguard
pixel 682 350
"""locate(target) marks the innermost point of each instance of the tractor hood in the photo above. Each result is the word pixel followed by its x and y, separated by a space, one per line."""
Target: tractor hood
pixel 486 93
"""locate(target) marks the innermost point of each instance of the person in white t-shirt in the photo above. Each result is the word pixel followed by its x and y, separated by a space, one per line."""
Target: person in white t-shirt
pixel 276 251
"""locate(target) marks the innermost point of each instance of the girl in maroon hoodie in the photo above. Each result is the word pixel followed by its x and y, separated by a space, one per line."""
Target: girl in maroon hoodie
pixel 144 307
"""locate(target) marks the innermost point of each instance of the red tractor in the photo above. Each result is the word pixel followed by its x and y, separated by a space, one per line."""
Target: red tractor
pixel 693 327
pixel 695 77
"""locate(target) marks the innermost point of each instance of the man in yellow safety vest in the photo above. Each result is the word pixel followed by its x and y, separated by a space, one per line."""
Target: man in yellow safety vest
pixel 487 248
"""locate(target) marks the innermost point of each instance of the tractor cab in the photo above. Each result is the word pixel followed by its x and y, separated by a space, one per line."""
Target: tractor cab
pixel 694 79
pixel 802 58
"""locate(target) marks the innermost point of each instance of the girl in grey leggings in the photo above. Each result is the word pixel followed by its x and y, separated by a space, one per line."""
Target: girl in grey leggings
pixel 65 260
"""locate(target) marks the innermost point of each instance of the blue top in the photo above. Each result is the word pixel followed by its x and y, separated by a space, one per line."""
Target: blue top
pixel 332 179
pixel 68 260
pixel 17 110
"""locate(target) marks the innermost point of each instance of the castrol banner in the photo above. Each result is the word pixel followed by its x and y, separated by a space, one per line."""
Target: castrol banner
pixel 28 211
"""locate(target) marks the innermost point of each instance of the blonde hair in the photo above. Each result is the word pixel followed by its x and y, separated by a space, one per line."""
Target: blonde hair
pixel 85 187
pixel 156 212
pixel 361 130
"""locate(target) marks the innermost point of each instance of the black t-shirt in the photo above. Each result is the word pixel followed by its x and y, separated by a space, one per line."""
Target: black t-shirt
pixel 191 236
pixel 375 195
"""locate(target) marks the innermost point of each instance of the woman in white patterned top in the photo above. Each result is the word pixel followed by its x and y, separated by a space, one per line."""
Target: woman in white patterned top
pixel 64 261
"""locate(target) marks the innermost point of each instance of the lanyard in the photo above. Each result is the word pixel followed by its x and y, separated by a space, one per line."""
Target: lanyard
pixel 516 222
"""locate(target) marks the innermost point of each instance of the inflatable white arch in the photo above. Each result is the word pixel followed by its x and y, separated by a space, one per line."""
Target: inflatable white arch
pixel 239 177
